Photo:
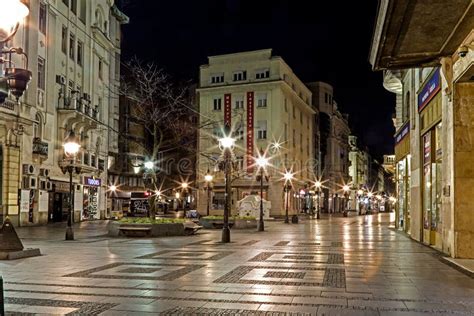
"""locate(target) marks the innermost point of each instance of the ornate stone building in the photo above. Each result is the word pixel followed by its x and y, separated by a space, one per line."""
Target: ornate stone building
pixel 74 55
pixel 426 51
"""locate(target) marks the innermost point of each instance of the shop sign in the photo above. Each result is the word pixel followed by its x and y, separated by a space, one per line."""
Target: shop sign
pixel 92 182
pixel 432 86
pixel 402 133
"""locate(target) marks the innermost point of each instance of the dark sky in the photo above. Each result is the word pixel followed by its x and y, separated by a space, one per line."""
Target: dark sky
pixel 320 40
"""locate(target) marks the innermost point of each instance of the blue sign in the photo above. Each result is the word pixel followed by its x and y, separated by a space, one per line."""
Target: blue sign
pixel 432 86
pixel 404 131
pixel 93 182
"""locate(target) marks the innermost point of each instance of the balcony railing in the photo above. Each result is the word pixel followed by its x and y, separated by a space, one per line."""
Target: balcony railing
pixel 81 105
pixel 40 147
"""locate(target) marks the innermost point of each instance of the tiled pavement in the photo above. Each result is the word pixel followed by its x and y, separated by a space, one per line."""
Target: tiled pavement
pixel 334 266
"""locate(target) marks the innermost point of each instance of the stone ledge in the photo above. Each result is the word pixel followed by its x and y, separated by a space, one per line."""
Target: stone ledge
pixel 14 255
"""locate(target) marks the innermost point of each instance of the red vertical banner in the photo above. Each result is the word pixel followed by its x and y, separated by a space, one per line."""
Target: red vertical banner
pixel 250 130
pixel 227 110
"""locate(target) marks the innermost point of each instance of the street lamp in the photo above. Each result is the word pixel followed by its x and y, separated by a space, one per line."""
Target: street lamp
pixel 12 13
pixel 71 148
pixel 184 188
pixel 346 190
pixel 288 176
pixel 113 188
pixel 318 186
pixel 262 163
pixel 208 178
pixel 149 165
pixel 226 144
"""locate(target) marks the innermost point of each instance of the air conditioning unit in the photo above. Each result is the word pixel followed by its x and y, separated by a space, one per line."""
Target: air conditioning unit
pixel 49 186
pixel 61 79
pixel 28 169
pixel 44 172
pixel 30 182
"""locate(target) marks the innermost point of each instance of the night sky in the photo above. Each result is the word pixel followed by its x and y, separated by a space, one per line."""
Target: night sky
pixel 320 40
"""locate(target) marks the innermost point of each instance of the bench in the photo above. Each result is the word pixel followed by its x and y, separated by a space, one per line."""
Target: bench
pixel 191 228
pixel 135 231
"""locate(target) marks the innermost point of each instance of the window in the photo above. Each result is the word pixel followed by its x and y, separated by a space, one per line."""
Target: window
pixel 74 6
pixel 66 2
pixel 406 107
pixel 262 74
pixel 239 133
pixel 218 78
pixel 101 66
pixel 72 44
pixel 42 18
pixel 239 102
pixel 64 40
pixel 82 14
pixel 286 105
pixel 286 133
pixel 217 104
pixel 301 118
pixel 240 75
pixel 38 127
pixel 41 74
pixel 262 100
pixel 326 99
pixel 301 142
pixel 262 130
pixel 294 138
pixel 79 53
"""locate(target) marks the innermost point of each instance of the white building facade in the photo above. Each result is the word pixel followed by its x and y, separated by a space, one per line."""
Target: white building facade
pixel 74 54
pixel 266 104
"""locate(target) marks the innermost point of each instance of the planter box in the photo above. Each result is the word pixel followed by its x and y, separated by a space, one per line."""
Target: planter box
pixel 245 223
pixel 156 230
pixel 214 223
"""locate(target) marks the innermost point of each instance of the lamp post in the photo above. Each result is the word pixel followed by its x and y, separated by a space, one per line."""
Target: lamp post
pixel 71 148
pixel 262 162
pixel 12 79
pixel 318 186
pixel 184 189
pixel 226 144
pixel 208 178
pixel 346 190
pixel 288 176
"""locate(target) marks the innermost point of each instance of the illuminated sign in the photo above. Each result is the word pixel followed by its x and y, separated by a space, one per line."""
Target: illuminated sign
pixel 93 182
pixel 404 131
pixel 432 86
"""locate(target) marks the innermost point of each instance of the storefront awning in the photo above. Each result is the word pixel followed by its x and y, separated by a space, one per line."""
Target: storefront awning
pixel 416 33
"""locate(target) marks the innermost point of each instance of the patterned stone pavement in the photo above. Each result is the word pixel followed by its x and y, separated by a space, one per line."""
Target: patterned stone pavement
pixel 334 266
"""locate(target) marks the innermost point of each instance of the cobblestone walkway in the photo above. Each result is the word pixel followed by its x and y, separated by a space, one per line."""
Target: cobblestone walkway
pixel 333 266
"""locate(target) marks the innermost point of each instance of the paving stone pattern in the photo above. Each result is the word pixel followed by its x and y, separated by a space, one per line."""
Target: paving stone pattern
pixel 340 266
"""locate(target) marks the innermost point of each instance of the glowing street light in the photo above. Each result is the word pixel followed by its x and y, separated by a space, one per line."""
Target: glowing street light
pixel 113 188
pixel 149 165
pixel 262 163
pixel 184 185
pixel 11 14
pixel 71 148
pixel 226 144
pixel 208 178
pixel 288 176
pixel 360 192
pixel 318 185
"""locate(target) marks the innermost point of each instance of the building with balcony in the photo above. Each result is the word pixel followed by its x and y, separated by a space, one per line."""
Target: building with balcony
pixel 74 55
pixel 426 52
pixel 266 104
pixel 334 147
pixel 359 163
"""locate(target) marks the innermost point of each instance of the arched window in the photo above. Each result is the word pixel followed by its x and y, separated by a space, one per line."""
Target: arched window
pixel 38 126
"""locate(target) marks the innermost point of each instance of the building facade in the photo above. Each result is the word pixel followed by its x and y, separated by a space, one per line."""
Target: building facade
pixel 359 162
pixel 434 152
pixel 334 146
pixel 74 55
pixel 269 109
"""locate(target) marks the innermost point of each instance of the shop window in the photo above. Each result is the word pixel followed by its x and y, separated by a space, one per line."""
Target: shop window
pixel 218 200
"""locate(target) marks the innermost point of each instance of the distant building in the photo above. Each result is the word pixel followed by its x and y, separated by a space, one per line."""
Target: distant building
pixel 334 147
pixel 359 164
pixel 266 103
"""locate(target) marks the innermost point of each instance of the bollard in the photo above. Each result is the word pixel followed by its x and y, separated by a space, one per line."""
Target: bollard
pixel 2 298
